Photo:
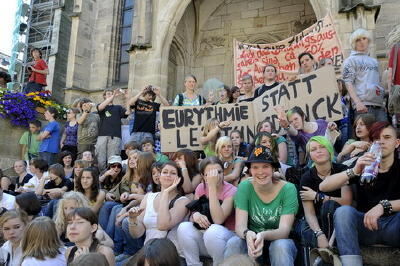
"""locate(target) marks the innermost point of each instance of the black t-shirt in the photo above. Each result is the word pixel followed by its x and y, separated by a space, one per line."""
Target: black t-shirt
pixel 110 120
pixel 24 180
pixel 312 180
pixel 263 88
pixel 247 99
pixel 387 186
pixel 64 183
pixel 145 116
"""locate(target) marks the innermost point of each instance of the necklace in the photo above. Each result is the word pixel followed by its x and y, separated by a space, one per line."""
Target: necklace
pixel 323 175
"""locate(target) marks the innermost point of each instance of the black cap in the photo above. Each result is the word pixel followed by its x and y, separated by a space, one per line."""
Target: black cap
pixel 261 154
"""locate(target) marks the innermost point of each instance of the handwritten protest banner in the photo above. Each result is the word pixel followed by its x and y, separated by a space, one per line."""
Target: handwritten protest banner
pixel 320 39
pixel 316 93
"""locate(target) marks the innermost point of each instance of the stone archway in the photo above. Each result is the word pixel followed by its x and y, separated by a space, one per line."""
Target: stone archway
pixel 209 51
pixel 216 22
pixel 176 67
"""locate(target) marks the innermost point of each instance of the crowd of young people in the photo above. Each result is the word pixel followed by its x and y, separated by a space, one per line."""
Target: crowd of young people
pixel 75 201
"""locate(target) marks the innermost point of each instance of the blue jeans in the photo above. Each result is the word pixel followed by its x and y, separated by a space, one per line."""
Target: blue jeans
pixel 281 251
pixel 138 137
pixel 49 157
pixel 113 231
pixel 104 214
pixel 132 245
pixel 351 232
pixel 378 112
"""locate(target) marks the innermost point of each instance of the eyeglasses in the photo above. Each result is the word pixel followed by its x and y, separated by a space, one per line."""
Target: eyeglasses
pixel 115 165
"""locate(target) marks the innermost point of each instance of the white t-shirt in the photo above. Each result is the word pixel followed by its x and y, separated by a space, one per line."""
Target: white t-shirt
pixel 7 201
pixel 57 261
pixel 33 183
pixel 14 258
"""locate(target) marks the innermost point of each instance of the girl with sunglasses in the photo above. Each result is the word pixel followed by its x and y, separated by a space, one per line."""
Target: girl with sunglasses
pixel 112 176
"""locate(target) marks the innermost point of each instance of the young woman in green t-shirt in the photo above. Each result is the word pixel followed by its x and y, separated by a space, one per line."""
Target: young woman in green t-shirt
pixel 265 212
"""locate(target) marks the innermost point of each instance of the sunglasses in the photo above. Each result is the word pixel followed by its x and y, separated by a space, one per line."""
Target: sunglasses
pixel 115 165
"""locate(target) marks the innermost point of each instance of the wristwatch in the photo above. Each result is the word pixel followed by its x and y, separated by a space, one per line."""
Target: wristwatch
pixel 318 233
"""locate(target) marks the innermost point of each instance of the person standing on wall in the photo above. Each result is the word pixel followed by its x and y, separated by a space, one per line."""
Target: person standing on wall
pixel 109 138
pixel 361 75
pixel 37 72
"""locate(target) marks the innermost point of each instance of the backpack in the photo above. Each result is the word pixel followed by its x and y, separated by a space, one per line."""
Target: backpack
pixel 180 100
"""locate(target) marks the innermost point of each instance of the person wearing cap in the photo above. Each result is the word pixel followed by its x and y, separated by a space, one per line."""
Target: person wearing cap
pixel 111 177
pixel 265 210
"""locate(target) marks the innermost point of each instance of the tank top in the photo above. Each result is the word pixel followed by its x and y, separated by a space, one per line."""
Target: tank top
pixel 150 223
pixel 93 248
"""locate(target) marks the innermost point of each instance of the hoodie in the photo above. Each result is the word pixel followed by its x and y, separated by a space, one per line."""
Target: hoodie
pixel 363 72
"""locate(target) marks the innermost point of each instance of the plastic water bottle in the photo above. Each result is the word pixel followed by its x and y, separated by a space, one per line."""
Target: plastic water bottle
pixel 371 171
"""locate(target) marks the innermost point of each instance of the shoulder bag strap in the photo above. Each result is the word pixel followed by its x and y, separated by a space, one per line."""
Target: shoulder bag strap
pixel 180 101
pixel 29 140
pixel 396 49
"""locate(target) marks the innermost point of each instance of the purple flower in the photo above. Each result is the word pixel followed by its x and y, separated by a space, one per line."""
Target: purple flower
pixel 18 108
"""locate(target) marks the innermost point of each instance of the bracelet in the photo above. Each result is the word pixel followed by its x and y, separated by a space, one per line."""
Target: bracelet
pixel 318 233
pixel 87 112
pixel 387 207
pixel 184 168
pixel 319 197
pixel 245 233
pixel 350 173
pixel 287 128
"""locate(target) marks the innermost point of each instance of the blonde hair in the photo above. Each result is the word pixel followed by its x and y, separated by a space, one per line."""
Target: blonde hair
pixel 60 218
pixel 13 214
pixel 358 34
pixel 40 239
pixel 210 124
pixel 225 140
pixel 393 36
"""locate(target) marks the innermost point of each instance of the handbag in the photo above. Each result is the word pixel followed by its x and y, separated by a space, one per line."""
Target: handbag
pixel 202 205
pixel 323 256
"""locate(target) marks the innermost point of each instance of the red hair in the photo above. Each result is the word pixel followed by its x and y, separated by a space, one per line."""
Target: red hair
pixel 376 129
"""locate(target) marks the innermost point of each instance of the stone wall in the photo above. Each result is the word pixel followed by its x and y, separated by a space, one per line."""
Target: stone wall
pixel 387 19
pixel 58 59
pixel 9 143
pixel 201 33
pixel 206 47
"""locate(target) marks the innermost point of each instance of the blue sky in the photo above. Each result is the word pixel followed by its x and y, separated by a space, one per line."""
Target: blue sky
pixel 7 14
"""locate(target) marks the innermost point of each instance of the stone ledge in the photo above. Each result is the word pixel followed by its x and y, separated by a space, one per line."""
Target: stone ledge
pixel 380 256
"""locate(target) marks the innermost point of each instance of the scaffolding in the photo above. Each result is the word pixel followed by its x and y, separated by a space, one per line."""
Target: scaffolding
pixel 18 43
pixel 40 28
pixel 33 27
